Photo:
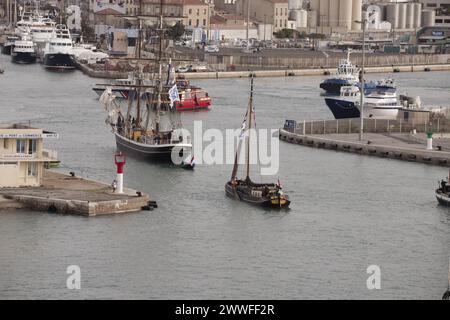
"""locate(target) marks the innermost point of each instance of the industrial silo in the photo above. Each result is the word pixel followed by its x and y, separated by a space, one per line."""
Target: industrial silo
pixel 345 14
pixel 295 4
pixel 417 15
pixel 428 17
pixel 356 14
pixel 402 15
pixel 334 13
pixel 373 17
pixel 313 19
pixel 392 14
pixel 302 15
pixel 410 15
pixel 324 13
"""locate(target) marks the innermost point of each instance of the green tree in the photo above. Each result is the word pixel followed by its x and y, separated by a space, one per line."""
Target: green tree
pixel 176 31
pixel 284 33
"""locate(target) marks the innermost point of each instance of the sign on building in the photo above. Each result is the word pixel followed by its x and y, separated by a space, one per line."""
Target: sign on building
pixel 110 7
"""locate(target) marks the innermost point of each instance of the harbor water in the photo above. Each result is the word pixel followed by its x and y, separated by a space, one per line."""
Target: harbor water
pixel 348 212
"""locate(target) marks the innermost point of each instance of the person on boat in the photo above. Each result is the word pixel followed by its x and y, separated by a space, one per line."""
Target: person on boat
pixel 443 185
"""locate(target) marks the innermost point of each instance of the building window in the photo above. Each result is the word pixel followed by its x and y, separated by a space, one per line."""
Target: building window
pixel 438 21
pixel 20 146
pixel 197 23
pixel 32 146
pixel 285 11
pixel 190 11
pixel 190 22
pixel 285 23
pixel 276 11
pixel 276 23
pixel 204 22
pixel 204 11
pixel 6 143
pixel 198 11
pixel 32 169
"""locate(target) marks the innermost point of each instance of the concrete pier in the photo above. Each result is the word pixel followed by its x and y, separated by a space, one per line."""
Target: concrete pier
pixel 65 194
pixel 400 146
pixel 270 73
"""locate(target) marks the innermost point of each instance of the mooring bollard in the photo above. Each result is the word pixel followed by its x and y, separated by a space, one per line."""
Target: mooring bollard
pixel 119 160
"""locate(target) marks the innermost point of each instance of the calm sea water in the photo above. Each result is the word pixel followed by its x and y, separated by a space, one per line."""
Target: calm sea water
pixel 348 211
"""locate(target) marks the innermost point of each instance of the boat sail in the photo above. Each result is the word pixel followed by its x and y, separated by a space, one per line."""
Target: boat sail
pixel 261 194
pixel 148 124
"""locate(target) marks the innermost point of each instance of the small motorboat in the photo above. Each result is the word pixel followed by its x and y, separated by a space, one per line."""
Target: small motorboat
pixel 443 192
pixel 189 165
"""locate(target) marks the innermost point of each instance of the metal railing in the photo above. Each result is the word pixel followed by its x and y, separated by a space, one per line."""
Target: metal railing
pixel 352 125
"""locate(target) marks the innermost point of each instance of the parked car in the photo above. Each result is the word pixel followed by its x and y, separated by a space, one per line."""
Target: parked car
pixel 211 49
pixel 182 69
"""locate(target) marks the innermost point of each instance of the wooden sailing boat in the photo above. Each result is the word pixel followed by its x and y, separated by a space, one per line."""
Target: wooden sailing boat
pixel 261 194
pixel 149 126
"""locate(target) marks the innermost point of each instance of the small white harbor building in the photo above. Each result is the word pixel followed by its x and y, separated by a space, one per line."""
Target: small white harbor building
pixel 22 156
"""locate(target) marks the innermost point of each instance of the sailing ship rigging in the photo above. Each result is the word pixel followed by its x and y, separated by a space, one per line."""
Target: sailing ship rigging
pixel 261 194
pixel 149 124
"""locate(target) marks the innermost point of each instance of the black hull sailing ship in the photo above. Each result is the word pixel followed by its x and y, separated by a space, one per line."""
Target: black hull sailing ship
pixel 260 194
pixel 147 123
pixel 157 151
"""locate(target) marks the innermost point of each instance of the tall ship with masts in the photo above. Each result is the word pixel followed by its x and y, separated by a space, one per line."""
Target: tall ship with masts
pixel 147 124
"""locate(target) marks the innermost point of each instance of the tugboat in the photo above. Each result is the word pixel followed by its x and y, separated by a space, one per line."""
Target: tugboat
pixel 24 51
pixel 443 192
pixel 260 194
pixel 347 75
pixel 149 125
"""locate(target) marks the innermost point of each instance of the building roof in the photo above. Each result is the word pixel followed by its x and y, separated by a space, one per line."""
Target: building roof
pixel 194 2
pixel 107 11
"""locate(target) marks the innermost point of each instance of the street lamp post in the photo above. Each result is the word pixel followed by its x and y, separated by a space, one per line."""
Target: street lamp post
pixel 361 77
pixel 248 23
pixel 264 28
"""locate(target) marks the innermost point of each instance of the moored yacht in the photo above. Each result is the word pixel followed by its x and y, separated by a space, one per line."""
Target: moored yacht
pixel 382 103
pixel 40 28
pixel 24 51
pixel 9 44
pixel 58 52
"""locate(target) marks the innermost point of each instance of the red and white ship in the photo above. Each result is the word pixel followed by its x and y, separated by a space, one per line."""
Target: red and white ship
pixel 191 97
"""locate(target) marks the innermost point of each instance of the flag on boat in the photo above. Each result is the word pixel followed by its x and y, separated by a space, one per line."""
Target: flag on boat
pixel 279 184
pixel 173 95
pixel 244 124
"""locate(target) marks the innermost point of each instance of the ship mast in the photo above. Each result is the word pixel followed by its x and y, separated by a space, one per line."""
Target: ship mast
pixel 250 114
pixel 139 80
pixel 161 32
